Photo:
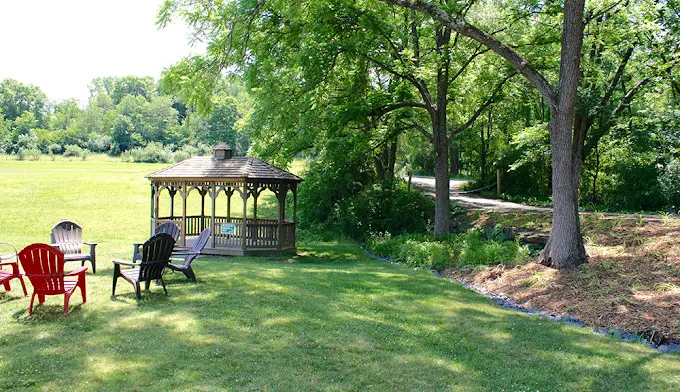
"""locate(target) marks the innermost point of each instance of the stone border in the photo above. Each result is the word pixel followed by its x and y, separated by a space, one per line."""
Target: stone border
pixel 508 303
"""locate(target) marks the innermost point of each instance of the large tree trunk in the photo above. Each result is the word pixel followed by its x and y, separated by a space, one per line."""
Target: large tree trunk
pixel 565 248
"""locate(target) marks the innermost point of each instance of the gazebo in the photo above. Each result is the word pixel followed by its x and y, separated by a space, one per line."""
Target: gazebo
pixel 223 175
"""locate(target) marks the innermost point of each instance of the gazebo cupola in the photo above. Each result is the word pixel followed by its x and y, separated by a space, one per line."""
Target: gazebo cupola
pixel 236 227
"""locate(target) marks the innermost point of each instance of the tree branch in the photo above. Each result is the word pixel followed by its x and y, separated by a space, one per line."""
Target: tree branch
pixel 481 108
pixel 521 64
pixel 381 111
pixel 422 130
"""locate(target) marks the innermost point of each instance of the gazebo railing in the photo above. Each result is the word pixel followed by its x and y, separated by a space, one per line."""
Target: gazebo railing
pixel 260 233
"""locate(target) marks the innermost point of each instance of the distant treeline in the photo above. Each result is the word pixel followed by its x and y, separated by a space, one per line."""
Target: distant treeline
pixel 128 115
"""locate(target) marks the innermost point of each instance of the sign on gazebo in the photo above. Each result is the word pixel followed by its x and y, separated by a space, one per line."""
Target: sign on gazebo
pixel 224 174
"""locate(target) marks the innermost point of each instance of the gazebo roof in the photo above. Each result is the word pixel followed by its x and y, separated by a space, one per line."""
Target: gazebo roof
pixel 235 169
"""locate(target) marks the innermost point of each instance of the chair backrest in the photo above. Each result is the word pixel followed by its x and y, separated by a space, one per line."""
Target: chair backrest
pixel 155 256
pixel 198 246
pixel 169 228
pixel 68 235
pixel 44 266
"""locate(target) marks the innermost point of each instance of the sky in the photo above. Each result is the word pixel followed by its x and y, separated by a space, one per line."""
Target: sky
pixel 61 45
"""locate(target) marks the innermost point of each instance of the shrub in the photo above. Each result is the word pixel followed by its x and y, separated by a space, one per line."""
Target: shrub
pixel 54 148
pixel 99 143
pixel 153 152
pixel 72 150
pixel 29 154
pixel 470 248
pixel 125 156
pixel 670 184
pixel 379 208
pixel 476 249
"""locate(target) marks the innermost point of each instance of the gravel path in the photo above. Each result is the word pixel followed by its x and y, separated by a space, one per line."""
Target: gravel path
pixel 475 202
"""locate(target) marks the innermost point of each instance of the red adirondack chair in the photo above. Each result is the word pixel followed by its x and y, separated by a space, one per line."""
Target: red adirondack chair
pixel 44 267
pixel 7 275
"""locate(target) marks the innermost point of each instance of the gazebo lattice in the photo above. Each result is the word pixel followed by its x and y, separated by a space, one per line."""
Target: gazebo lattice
pixel 243 176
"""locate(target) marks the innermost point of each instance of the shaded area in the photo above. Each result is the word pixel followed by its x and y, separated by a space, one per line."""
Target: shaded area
pixel 327 319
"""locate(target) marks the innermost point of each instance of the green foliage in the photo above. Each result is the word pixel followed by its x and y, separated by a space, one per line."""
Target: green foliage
pixel 152 153
pixel 670 183
pixel 477 249
pixel 72 150
pixel 473 247
pixel 29 154
pixel 381 208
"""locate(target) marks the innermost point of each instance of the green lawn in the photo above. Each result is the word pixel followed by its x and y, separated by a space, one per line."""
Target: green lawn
pixel 330 318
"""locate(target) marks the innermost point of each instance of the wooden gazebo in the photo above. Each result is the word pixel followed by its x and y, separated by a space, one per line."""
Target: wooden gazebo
pixel 223 173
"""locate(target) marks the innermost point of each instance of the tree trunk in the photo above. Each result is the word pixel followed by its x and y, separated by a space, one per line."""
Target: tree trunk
pixel 392 160
pixel 565 248
pixel 595 175
pixel 455 160
pixel 441 175
pixel 482 155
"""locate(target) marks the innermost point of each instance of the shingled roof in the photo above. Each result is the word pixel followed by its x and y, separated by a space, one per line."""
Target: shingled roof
pixel 207 168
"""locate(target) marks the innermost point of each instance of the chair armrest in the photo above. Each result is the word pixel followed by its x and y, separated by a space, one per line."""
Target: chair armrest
pixel 15 267
pixel 181 249
pixel 90 243
pixel 78 271
pixel 121 262
pixel 14 247
pixel 185 253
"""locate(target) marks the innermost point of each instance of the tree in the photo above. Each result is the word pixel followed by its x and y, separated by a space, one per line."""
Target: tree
pixel 565 246
pixel 325 70
pixel 17 98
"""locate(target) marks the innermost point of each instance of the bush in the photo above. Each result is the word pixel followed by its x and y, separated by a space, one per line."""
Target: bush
pixel 478 249
pixel 29 154
pixel 125 156
pixel 54 148
pixel 153 152
pixel 72 150
pixel 473 247
pixel 670 184
pixel 379 208
pixel 99 143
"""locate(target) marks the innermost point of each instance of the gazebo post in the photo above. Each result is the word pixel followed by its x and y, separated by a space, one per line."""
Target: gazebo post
pixel 202 192
pixel 244 228
pixel 184 195
pixel 154 216
pixel 213 197
pixel 229 191
pixel 172 191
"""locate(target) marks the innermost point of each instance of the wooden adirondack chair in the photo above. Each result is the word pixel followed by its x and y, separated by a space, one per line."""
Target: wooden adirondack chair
pixel 44 267
pixel 155 257
pixel 68 237
pixel 7 275
pixel 168 228
pixel 189 256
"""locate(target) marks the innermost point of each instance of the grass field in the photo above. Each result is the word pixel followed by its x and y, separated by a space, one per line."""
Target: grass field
pixel 330 318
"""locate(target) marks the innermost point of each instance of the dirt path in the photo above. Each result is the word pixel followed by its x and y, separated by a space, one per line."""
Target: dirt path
pixel 475 202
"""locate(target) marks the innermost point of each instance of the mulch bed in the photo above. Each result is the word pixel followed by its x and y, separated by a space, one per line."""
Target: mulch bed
pixel 631 282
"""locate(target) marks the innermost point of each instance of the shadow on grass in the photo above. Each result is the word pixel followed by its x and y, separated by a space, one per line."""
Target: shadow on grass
pixel 316 325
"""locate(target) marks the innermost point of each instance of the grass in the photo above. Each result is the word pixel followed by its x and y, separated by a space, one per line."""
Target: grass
pixel 330 318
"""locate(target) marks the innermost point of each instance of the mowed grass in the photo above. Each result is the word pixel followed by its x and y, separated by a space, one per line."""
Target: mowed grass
pixel 330 318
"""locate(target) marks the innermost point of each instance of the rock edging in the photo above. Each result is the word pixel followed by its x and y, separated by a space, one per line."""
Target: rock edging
pixel 508 303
